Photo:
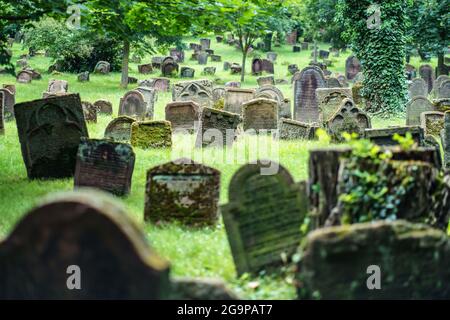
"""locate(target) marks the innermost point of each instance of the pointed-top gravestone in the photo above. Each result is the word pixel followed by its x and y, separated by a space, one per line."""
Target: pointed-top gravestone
pixel 199 91
pixel 443 91
pixel 415 107
pixel 418 87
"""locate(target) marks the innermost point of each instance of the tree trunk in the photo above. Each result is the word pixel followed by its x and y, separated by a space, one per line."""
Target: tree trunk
pixel 125 60
pixel 441 68
pixel 315 51
pixel 244 59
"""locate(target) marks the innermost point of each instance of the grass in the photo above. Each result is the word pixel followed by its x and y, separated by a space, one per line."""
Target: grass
pixel 202 253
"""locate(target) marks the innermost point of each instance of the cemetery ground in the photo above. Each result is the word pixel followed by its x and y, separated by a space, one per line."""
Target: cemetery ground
pixel 192 252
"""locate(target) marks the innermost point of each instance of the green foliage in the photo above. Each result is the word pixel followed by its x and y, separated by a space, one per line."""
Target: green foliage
pixel 381 51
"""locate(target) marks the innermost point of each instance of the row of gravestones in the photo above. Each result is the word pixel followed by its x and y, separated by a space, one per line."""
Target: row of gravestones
pixel 440 88
pixel 426 73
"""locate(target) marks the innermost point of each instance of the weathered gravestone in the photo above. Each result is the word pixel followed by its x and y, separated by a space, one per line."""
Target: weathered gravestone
pixel 233 84
pixel 333 82
pixel 336 261
pixel 86 230
pixel 442 104
pixel 138 103
pixel 305 101
pixel 352 67
pixel 292 68
pixel 266 81
pixel 183 115
pixel 235 68
pixel 57 86
pixel 157 62
pixel 445 136
pixel 289 129
pixel 330 100
pixel 218 128
pixel 182 191
pixel 443 91
pixel 89 111
pixel 187 72
pixel 415 107
pixel 151 134
pixel 159 84
pixel 169 67
pixel 296 48
pixel 291 37
pixel 324 54
pixel 195 46
pixel 426 72
pixel 209 71
pixel 103 106
pixel 102 67
pixel 49 133
pixel 432 122
pixel 262 65
pixel 119 129
pixel 8 100
pixel 218 94
pixel 205 43
pixel 2 121
pixel 437 83
pixel 24 76
pixel 202 57
pixel 10 87
pixel 260 114
pixel 263 217
pixel 418 87
pixel 385 136
pixel 199 91
pixel 235 97
pixel 272 56
pixel 104 165
pixel 216 58
pixel 145 68
pixel 410 71
pixel 272 92
pixel 177 54
pixel 348 118
pixel 83 76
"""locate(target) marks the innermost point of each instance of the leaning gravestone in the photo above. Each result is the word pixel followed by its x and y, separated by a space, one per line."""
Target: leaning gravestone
pixel 443 91
pixel 305 101
pixel 426 73
pixel 235 97
pixel 119 129
pixel 103 106
pixel 57 86
pixel 8 101
pixel 418 87
pixel 352 67
pixel 86 230
pixel 104 165
pixel 336 261
pixel 49 133
pixel 145 68
pixel 289 129
pixel 432 122
pixel 183 115
pixel 24 76
pixel 266 81
pixel 260 114
pixel 445 136
pixel 437 83
pixel 90 111
pixel 263 217
pixel 385 136
pixel 415 107
pixel 218 128
pixel 182 191
pixel 199 91
pixel 330 100
pixel 157 62
pixel 102 67
pixel 151 134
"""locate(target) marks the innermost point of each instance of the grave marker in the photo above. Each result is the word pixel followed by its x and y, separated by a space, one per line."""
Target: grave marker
pixel 415 107
pixel 260 114
pixel 183 115
pixel 199 91
pixel 119 129
pixel 235 97
pixel 151 134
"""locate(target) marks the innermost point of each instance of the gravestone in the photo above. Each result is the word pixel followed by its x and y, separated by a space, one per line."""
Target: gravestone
pixel 426 72
pixel 49 133
pixel 384 136
pixel 2 120
pixel 104 165
pixel 443 91
pixel 342 80
pixel 85 229
pixel 415 107
pixel 57 86
pixel 263 217
pixel 323 54
pixel 157 62
pixel 442 104
pixel 305 45
pixel 183 115
pixel 273 93
pixel 89 111
pixel 289 129
pixel 233 84
pixel 24 76
pixel 257 67
pixel 145 68
pixel 119 129
pixel 445 136
pixel 235 68
pixel 330 100
pixel 205 43
pixel 209 71
pixel 160 84
pixel 187 72
pixel 306 108
pixel 210 52
pixel 22 63
pixel 432 122
pixel 260 114
pixel 267 66
pixel 216 58
pixel 263 81
pixel 83 76
pixel 169 67
pixel 235 97
pixel 272 56
pixel 348 118
pixel 335 262
pixel 291 37
pixel 102 67
pixel 226 66
pixel 218 94
pixel 199 91
pixel 177 54
pixel 138 103
pixel 10 87
pixel 219 39
pixel 8 101
pixel 418 87
pixel 292 68
pixel 437 84
pixel 218 128
pixel 202 57
pixel 195 46
pixel 352 67
pixel 296 49
pixel 410 71
pixel 333 82
pixel 104 106
pixel 182 191
pixel 151 134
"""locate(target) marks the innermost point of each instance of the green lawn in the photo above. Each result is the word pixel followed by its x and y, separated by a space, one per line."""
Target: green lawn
pixel 203 253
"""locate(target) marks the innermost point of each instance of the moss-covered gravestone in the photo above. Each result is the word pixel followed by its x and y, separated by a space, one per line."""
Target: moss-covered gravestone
pixel 417 88
pixel 432 122
pixel 104 165
pixel 235 97
pixel 218 128
pixel 330 100
pixel 8 102
pixel 263 217
pixel 198 91
pixel 273 93
pixel 151 134
pixel 84 232
pixel 385 136
pixel 182 191
pixel 183 115
pixel 260 114
pixel 49 132
pixel 289 129
pixel 342 262
pixel 119 129
pixel 104 106
pixel 90 111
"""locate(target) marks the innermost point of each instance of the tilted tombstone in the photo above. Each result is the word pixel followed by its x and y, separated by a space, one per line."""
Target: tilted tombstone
pixel 202 57
pixel 183 115
pixel 182 191
pixel 330 100
pixel 102 67
pixel 348 118
pixel 426 72
pixel 145 68
pixel 85 231
pixel 260 114
pixel 217 128
pixel 306 108
pixel 272 92
pixel 289 129
pixel 49 133
pixel 263 217
pixel 417 87
pixel 24 76
pixel 352 67
pixel 335 260
pixel 199 91
pixel 263 81
pixel 333 82
pixel 177 54
pixel 187 72
pixel 83 76
pixel 56 86
pixel 445 136
pixel 151 134
pixel 104 165
pixel 205 43
pixel 8 101
pixel 443 91
pixel 415 107
pixel 169 67
pixel 432 122
pixel 89 111
pixel 119 129
pixel 385 136
pixel 235 97
pixel 103 106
